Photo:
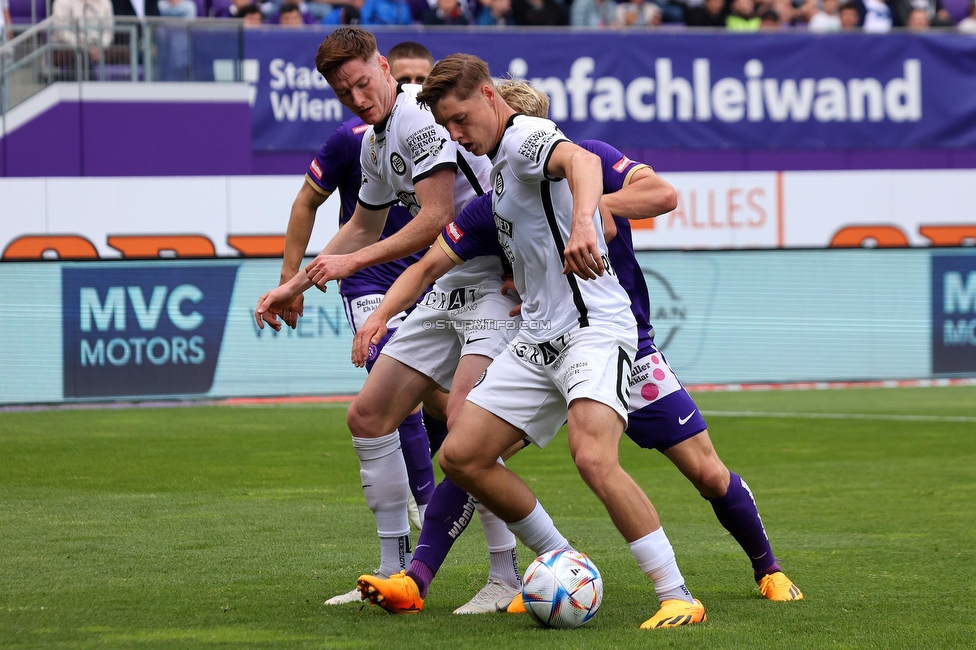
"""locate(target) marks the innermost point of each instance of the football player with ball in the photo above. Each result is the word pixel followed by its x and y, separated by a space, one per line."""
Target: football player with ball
pixel 576 362
pixel 659 395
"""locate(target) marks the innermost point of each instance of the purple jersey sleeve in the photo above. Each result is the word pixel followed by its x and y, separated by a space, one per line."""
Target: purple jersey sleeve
pixel 336 166
pixel 472 234
pixel 618 170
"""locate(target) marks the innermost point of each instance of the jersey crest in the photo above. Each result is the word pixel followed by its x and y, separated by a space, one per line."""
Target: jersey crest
pixel 499 185
pixel 398 164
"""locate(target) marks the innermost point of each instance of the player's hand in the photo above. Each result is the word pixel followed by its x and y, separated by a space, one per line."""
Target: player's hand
pixel 328 267
pixel 272 305
pixel 367 336
pixel 508 288
pixel 582 254
pixel 291 312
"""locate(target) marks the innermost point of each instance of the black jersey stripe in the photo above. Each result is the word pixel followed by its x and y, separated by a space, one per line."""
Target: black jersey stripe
pixel 383 206
pixel 433 170
pixel 470 175
pixel 546 188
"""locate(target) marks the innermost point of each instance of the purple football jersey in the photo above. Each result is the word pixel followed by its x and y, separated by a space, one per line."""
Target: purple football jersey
pixel 336 166
pixel 472 234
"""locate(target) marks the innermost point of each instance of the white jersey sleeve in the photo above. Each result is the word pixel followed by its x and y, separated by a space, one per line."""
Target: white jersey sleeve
pixel 530 147
pixel 428 144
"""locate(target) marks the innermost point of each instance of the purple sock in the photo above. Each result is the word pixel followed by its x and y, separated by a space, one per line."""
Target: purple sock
pixel 436 431
pixel 738 513
pixel 448 514
pixel 416 455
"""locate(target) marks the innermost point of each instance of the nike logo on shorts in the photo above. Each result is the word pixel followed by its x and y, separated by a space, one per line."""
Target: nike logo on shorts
pixel 570 390
pixel 682 421
pixel 470 341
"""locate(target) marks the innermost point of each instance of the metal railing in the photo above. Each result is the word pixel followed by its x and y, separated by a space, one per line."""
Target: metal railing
pixel 119 49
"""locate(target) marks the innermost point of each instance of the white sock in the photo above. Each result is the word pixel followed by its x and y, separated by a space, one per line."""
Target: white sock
pixel 503 560
pixel 503 566
pixel 423 511
pixel 384 478
pixel 655 556
pixel 538 532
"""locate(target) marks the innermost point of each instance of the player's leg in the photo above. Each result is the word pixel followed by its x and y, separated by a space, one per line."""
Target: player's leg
pixel 470 454
pixel 448 515
pixel 504 580
pixel 391 391
pixel 405 593
pixel 594 436
pixel 434 413
pixel 418 360
pixel 594 378
pixel 470 458
pixel 413 436
pixel 513 400
pixel 736 509
pixel 665 417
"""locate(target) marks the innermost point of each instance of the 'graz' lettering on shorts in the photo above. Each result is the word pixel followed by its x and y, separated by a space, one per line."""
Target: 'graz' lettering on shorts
pixel 450 300
pixel 541 354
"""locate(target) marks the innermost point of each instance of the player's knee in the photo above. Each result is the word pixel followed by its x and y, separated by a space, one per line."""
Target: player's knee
pixel 451 462
pixel 712 480
pixel 364 422
pixel 436 406
pixel 595 468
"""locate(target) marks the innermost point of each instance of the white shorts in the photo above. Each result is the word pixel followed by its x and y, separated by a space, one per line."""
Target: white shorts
pixel 531 385
pixel 446 325
pixel 358 309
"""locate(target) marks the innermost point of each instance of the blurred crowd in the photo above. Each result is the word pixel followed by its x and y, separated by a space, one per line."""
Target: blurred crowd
pixel 731 15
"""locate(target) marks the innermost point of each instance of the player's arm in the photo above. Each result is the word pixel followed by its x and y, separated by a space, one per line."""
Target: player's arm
pixel 646 195
pixel 435 194
pixel 584 173
pixel 403 294
pixel 362 229
pixel 299 231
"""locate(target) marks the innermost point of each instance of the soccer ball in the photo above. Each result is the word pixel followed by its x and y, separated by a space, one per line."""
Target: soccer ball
pixel 562 589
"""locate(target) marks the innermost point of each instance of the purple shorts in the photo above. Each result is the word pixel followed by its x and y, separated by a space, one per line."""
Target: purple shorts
pixel 662 412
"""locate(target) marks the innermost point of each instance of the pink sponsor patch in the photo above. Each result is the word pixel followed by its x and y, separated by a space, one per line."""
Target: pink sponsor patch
pixel 650 392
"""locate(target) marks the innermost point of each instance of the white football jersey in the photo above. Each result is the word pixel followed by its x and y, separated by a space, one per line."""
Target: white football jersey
pixel 533 216
pixel 408 148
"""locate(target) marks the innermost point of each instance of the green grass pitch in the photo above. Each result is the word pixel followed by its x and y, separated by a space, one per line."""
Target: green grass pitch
pixel 228 527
